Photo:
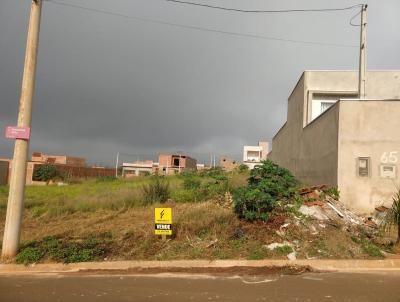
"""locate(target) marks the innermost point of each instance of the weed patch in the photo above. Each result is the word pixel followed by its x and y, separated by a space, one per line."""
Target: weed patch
pixel 283 250
pixel 63 250
pixel 157 190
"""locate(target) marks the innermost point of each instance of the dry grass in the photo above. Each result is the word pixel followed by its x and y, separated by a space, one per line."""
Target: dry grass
pixel 202 230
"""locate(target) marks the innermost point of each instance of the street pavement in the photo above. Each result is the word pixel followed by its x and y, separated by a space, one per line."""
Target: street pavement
pixel 351 287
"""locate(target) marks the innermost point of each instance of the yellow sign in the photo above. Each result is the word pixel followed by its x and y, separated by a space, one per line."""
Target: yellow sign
pixel 163 221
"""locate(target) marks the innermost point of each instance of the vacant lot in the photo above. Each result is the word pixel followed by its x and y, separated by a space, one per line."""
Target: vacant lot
pixel 108 219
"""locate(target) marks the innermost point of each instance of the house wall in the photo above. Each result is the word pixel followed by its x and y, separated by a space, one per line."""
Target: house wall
pixel 317 155
pixel 368 129
pixel 227 163
pixel 310 154
pixel 190 163
pixel 311 149
pixel 287 141
pixel 265 149
pixel 4 172
pixel 58 159
pixel 186 163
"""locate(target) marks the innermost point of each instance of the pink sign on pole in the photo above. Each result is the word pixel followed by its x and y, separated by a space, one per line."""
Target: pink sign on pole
pixel 18 132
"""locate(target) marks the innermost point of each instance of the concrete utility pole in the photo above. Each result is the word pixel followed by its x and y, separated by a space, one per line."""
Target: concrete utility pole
pixel 15 206
pixel 362 73
pixel 116 166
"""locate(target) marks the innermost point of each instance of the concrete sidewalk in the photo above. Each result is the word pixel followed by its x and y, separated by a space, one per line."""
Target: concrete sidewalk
pixel 121 266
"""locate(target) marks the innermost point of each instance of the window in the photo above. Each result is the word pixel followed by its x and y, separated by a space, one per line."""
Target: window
pixel 325 106
pixel 363 166
pixel 319 102
pixel 176 161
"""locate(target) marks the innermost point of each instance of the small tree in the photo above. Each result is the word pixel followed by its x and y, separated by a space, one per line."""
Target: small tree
pixel 45 173
pixel 268 183
pixel 392 217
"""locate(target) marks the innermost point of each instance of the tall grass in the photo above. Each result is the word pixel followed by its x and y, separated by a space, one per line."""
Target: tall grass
pixel 119 194
pixel 157 190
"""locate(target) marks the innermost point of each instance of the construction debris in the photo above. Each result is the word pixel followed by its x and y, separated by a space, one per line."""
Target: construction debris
pixel 292 256
pixel 314 211
pixel 322 207
pixel 275 245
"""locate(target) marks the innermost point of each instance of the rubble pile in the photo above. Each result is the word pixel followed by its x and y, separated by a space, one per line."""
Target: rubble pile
pixel 324 214
pixel 323 207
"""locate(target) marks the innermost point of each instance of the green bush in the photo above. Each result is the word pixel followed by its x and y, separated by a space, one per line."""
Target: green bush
pixel 157 190
pixel 106 178
pixel 283 250
pixel 45 173
pixel 242 168
pixel 29 255
pixel 216 172
pixel 333 192
pixel 64 250
pixel 191 182
pixel 267 184
pixel 392 217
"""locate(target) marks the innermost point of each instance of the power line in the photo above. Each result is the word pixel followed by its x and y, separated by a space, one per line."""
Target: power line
pixel 352 18
pixel 265 11
pixel 204 29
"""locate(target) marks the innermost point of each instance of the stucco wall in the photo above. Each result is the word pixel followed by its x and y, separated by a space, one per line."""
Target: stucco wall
pixel 313 152
pixel 367 129
pixel 310 152
pixel 190 163
pixel 380 84
pixel 318 150
pixel 287 140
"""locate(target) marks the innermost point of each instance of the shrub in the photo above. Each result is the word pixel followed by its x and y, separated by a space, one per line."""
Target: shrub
pixel 268 183
pixel 190 183
pixel 392 217
pixel 283 250
pixel 106 178
pixel 216 172
pixel 333 192
pixel 64 250
pixel 242 168
pixel 45 173
pixel 29 255
pixel 157 190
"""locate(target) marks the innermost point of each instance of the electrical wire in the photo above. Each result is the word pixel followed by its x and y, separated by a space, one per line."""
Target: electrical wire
pixel 204 29
pixel 265 11
pixel 352 18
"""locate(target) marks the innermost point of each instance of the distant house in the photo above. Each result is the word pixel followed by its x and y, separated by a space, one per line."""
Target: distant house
pixel 253 155
pixel 138 168
pixel 58 159
pixel 169 164
pixel 332 137
pixel 67 166
pixel 200 167
pixel 227 163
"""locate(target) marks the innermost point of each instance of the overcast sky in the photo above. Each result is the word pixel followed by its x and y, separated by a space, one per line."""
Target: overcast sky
pixel 107 84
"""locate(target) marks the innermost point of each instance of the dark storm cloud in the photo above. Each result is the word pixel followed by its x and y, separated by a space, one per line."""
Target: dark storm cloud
pixel 107 84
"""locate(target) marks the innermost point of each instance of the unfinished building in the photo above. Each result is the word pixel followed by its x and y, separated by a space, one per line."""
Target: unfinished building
pixel 332 137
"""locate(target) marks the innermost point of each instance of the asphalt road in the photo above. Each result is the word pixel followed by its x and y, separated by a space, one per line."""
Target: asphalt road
pixel 307 287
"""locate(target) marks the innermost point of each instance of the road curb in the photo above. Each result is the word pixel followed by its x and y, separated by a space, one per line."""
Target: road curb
pixel 318 265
